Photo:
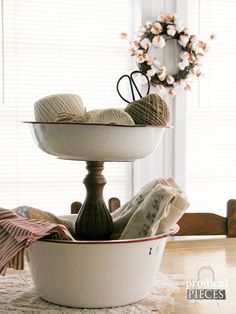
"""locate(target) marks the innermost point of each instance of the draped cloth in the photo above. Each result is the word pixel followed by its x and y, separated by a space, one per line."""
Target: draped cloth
pixel 18 232
pixel 155 209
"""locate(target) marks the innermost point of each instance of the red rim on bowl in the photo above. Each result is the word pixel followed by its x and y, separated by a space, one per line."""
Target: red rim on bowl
pixel 171 232
pixel 103 124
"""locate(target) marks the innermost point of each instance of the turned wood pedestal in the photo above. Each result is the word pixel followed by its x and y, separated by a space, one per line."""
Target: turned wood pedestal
pixel 94 221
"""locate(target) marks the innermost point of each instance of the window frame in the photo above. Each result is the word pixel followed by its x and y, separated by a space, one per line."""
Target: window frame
pixel 168 160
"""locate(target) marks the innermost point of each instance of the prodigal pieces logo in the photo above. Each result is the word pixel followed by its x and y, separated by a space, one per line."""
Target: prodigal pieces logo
pixel 206 287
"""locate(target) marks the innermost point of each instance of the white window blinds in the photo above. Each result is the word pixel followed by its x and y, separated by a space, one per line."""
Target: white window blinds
pixel 50 47
pixel 211 110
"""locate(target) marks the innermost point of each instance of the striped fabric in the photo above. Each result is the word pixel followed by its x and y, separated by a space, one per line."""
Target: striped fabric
pixel 18 232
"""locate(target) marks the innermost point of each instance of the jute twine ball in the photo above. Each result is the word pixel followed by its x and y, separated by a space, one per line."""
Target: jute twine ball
pixel 151 109
pixel 113 116
pixel 48 108
pixel 69 117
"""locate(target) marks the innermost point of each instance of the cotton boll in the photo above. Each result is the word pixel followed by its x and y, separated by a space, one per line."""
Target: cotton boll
pixel 149 23
pixel 188 87
pixel 139 51
pixel 132 51
pixel 151 72
pixel 161 42
pixel 123 35
pixel 199 73
pixel 205 48
pixel 161 18
pixel 160 88
pixel 182 65
pixel 172 92
pixel 183 40
pixel 193 39
pixel 145 43
pixel 192 58
pixel 185 62
pixel 184 55
pixel 212 36
pixel 199 56
pixel 161 76
pixel 195 47
pixel 140 59
pixel 172 18
pixel 158 41
pixel 170 79
pixel 156 28
pixel 179 25
pixel 162 69
pixel 135 43
pixel 141 31
pixel 186 31
pixel 171 30
pixel 200 51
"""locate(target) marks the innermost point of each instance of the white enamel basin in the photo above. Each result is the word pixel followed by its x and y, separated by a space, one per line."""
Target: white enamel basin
pixel 93 142
pixel 96 274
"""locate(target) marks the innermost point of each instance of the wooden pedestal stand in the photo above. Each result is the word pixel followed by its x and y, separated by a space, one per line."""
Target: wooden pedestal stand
pixel 94 221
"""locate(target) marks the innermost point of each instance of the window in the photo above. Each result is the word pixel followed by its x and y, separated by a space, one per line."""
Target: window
pixel 47 49
pixel 50 47
pixel 211 110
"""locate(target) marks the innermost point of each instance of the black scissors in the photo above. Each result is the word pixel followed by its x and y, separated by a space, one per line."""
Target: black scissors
pixel 132 84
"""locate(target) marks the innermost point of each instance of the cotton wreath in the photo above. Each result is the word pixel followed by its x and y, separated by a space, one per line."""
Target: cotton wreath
pixel 155 34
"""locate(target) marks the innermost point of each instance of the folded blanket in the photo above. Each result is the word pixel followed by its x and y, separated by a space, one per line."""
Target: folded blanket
pixel 178 207
pixel 156 208
pixel 35 213
pixel 18 232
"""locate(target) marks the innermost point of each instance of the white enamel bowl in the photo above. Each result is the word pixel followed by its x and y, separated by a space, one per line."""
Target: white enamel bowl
pixel 93 274
pixel 101 142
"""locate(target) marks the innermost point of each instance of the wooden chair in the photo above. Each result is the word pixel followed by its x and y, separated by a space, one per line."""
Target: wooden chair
pixel 208 223
pixel 193 224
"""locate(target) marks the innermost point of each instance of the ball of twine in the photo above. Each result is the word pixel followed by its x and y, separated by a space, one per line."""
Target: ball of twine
pixel 90 116
pixel 47 108
pixel 69 117
pixel 113 116
pixel 151 109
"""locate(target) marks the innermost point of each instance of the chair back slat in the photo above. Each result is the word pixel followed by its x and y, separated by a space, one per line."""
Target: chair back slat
pixel 202 224
pixel 231 218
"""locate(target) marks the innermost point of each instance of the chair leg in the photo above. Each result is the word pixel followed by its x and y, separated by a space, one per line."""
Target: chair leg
pixel 231 218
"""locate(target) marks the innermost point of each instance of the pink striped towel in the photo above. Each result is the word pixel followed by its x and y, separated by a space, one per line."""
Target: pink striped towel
pixel 18 232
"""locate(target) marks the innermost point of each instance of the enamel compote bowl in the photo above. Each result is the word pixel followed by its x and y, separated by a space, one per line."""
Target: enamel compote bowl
pixel 95 144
